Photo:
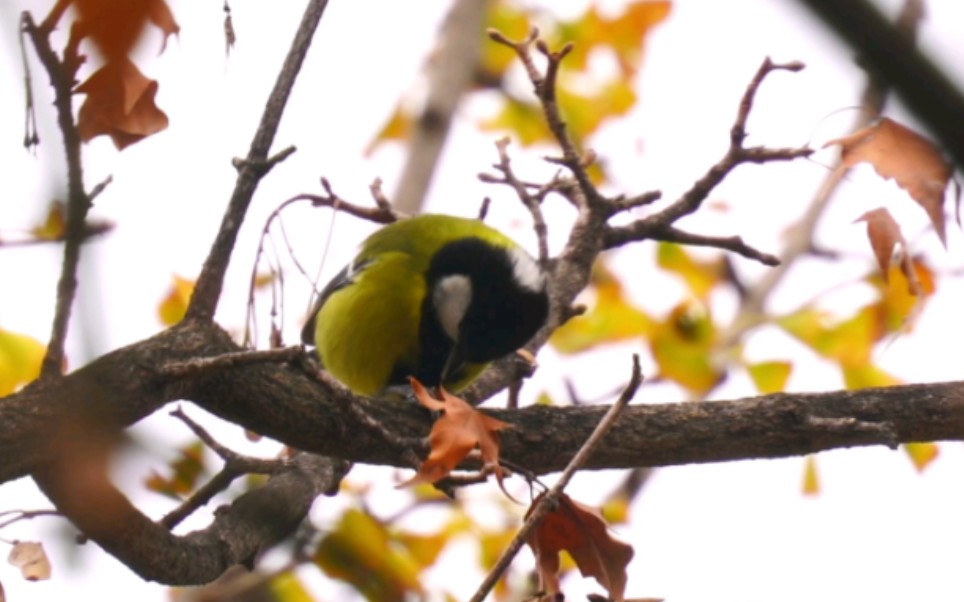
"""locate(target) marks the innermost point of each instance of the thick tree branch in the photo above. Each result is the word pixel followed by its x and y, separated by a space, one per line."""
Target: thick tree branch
pixel 282 402
pixel 252 523
pixel 250 171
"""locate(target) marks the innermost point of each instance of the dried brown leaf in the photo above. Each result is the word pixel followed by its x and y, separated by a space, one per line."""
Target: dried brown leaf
pixel 908 158
pixel 584 534
pixel 30 558
pixel 884 234
pixel 454 435
pixel 120 104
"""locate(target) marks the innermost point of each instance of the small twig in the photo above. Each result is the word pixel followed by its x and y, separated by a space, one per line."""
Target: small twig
pixel 616 237
pixel 211 280
pixel 99 188
pixel 24 515
pixel 406 446
pixel 532 202
pixel 78 203
pixel 545 89
pixel 484 209
pixel 235 465
pixel 549 500
pixel 261 167
pixel 382 214
pixel 202 365
pixel 378 195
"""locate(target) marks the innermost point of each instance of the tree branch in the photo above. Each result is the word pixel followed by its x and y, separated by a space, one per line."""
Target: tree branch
pixel 451 73
pixel 255 166
pixel 61 75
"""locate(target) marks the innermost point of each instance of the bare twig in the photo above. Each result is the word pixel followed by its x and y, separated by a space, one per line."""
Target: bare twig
pixel 235 465
pixel 545 89
pixel 206 365
pixel 209 283
pixel 19 515
pixel 734 244
pixel 61 75
pixel 549 500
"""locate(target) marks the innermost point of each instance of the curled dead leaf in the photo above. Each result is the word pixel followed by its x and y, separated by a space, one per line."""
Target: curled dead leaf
pixel 911 160
pixel 459 430
pixel 119 104
pixel 583 533
pixel 30 558
pixel 884 234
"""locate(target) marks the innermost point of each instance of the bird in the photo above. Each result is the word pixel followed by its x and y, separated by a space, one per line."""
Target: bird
pixel 434 297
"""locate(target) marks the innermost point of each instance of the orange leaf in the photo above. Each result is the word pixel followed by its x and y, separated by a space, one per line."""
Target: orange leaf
pixel 582 532
pixel 116 26
pixel 460 430
pixel 904 155
pixel 120 104
pixel 884 235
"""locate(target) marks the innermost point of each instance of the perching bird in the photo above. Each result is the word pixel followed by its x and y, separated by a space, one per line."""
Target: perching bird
pixel 435 297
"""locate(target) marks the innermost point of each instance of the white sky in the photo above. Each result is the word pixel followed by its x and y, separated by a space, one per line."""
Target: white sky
pixel 723 532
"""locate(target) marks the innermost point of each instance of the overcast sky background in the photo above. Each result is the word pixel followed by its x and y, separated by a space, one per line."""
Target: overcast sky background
pixel 725 532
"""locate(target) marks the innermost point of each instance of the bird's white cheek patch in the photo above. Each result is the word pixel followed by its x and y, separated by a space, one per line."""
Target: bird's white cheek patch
pixel 451 299
pixel 526 271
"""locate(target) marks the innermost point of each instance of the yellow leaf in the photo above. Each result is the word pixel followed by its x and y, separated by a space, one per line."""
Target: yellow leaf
pixel 700 277
pixel 770 377
pixel 359 551
pixel 867 375
pixel 398 127
pixel 616 509
pixel 513 22
pixel 897 301
pixel 849 342
pixel 54 224
pixel 173 307
pixel 811 478
pixel 585 112
pixel 20 359
pixel 523 119
pixel 922 454
pixel 424 549
pixel 611 319
pixel 682 346
pixel 287 587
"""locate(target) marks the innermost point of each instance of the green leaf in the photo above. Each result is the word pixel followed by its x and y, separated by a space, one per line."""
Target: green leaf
pixel 867 375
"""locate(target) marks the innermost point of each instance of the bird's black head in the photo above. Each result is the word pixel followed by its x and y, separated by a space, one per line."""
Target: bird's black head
pixel 484 301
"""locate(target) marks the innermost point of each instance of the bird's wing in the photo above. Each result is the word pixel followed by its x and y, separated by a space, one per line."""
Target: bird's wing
pixel 342 279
